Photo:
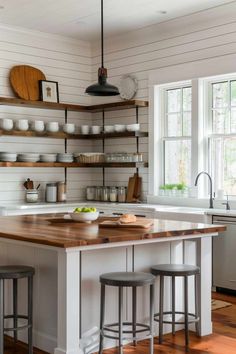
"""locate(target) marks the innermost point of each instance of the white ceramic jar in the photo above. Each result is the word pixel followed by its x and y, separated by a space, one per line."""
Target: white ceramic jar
pixel 52 127
pixel 96 129
pixel 38 126
pixel 69 128
pixel 85 129
pixel 51 192
pixel 31 196
pixel 22 124
pixel 7 124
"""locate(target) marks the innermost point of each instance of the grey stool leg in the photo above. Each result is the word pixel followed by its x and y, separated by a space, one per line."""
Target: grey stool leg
pixel 102 315
pixel 120 320
pixel 186 311
pixel 173 305
pixel 1 316
pixel 15 295
pixel 196 305
pixel 30 314
pixel 134 309
pixel 151 318
pixel 161 309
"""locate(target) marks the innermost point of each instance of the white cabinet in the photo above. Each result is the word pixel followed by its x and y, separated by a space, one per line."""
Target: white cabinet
pixel 224 250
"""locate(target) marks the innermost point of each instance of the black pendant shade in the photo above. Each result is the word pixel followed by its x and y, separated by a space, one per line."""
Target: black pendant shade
pixel 102 88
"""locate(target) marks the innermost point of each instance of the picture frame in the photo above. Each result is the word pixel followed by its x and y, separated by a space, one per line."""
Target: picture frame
pixel 49 91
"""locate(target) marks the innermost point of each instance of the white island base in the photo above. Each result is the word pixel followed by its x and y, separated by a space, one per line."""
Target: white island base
pixel 67 289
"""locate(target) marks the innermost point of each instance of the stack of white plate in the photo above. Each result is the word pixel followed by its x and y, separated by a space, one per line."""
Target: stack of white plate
pixel 65 157
pixel 48 157
pixel 8 156
pixel 28 157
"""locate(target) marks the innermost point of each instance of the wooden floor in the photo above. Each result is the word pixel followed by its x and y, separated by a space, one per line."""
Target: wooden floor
pixel 222 341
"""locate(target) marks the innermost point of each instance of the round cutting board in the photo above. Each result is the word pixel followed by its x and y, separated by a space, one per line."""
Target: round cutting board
pixel 24 80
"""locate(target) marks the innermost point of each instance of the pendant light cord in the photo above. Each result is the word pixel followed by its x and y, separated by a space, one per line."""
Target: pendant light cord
pixel 102 39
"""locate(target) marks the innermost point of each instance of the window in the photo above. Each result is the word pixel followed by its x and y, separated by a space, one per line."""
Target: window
pixel 176 137
pixel 222 135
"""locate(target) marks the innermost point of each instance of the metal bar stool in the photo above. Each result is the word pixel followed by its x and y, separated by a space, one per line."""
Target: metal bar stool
pixel 173 271
pixel 15 273
pixel 124 280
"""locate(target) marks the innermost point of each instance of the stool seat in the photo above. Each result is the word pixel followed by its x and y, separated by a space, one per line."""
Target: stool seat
pixel 175 270
pixel 16 271
pixel 127 279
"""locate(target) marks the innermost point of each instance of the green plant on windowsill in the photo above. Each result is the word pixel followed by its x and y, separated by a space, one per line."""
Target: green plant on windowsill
pixel 173 189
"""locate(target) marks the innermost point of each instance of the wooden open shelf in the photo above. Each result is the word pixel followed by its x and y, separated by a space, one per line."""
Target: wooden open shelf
pixel 73 107
pixel 62 135
pixel 74 164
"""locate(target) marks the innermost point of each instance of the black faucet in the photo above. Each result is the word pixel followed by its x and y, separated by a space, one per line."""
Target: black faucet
pixel 227 203
pixel 210 181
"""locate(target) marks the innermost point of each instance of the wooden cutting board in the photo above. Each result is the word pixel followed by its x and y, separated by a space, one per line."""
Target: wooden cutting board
pixel 140 223
pixel 137 188
pixel 24 80
pixel 131 187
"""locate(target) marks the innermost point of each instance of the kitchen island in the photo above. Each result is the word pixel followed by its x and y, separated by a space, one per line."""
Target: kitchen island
pixel 69 257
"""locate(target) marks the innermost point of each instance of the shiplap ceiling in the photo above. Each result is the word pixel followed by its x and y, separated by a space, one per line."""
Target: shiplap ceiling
pixel 81 18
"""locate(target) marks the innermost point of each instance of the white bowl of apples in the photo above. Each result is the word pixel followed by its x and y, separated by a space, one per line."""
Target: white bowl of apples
pixel 85 214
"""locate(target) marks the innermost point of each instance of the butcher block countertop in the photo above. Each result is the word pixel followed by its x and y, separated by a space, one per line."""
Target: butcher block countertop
pixel 52 230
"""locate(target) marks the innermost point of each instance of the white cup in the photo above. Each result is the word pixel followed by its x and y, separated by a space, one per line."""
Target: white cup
pixel 109 128
pixel 69 128
pixel 7 124
pixel 85 129
pixel 52 127
pixel 22 124
pixel 120 128
pixel 38 126
pixel 96 129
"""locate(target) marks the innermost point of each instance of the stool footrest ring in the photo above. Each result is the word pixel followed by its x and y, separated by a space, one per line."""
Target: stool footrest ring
pixel 19 328
pixel 193 318
pixel 141 328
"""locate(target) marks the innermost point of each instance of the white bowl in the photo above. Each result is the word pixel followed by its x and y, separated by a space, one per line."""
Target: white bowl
pixel 109 128
pixel 48 157
pixel 120 128
pixel 85 217
pixel 133 127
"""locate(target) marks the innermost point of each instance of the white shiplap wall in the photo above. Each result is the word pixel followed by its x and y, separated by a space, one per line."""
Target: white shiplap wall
pixel 61 59
pixel 192 38
pixel 208 34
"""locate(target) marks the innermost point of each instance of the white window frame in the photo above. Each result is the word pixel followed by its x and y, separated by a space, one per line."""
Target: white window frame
pixel 164 122
pixel 157 154
pixel 197 71
pixel 208 119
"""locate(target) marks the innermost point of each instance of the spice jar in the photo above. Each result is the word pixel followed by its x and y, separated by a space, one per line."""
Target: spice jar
pixel 51 192
pixel 90 193
pixel 98 193
pixel 31 196
pixel 105 194
pixel 61 191
pixel 121 194
pixel 113 194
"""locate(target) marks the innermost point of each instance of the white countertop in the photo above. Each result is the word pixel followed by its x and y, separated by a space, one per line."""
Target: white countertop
pixel 69 206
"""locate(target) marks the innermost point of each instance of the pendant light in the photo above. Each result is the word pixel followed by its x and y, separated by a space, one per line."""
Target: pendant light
pixel 102 88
